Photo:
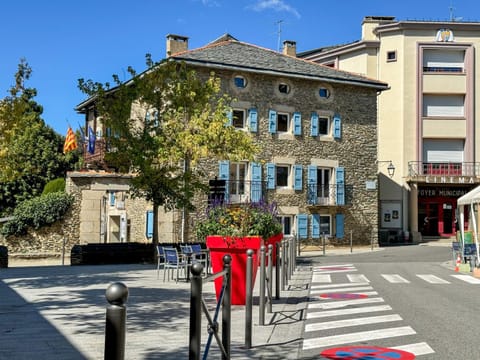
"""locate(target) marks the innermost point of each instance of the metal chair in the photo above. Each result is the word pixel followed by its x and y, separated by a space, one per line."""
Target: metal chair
pixel 199 255
pixel 173 260
pixel 160 259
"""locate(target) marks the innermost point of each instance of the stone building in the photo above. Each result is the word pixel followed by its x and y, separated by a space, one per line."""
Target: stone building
pixel 317 129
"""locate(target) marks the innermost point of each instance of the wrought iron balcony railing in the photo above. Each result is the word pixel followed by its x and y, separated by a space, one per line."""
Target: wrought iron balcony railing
pixel 239 192
pixel 329 195
pixel 418 168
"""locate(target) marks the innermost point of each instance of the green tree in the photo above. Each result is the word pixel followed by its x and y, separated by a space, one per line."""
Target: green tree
pixel 30 151
pixel 161 124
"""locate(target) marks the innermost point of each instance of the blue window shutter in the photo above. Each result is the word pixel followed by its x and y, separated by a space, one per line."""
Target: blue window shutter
pixel 297 123
pixel 147 118
pixel 224 174
pixel 302 226
pixel 298 174
pixel 230 118
pixel 312 184
pixel 340 181
pixel 256 176
pixel 340 226
pixel 149 224
pixel 315 226
pixel 252 116
pixel 337 126
pixel 314 124
pixel 272 121
pixel 112 198
pixel 270 176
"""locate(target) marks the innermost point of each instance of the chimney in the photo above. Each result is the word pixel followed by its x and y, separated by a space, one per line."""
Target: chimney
pixel 290 48
pixel 176 44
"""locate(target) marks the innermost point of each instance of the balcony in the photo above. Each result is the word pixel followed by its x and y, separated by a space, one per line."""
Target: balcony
pixel 238 191
pixel 329 195
pixel 444 172
pixel 97 159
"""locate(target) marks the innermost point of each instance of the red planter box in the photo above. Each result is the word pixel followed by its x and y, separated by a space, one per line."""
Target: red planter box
pixel 222 245
pixel 273 240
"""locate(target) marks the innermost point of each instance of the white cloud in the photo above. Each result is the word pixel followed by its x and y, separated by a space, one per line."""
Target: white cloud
pixel 277 5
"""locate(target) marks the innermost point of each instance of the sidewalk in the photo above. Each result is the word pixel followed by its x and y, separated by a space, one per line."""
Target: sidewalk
pixel 58 312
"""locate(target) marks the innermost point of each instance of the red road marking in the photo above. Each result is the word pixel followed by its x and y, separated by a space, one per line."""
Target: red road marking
pixel 366 353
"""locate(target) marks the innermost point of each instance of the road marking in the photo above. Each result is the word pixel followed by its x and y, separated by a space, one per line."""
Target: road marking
pixel 343 303
pixel 320 342
pixel 352 322
pixel 432 279
pixel 334 269
pixel 467 278
pixel 358 278
pixel 321 278
pixel 331 286
pixel 416 349
pixel 343 289
pixel 350 311
pixel 395 279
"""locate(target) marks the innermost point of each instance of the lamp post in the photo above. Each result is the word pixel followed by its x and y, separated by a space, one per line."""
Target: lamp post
pixel 390 167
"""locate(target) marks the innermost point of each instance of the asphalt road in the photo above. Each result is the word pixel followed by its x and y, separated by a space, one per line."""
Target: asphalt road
pixel 416 302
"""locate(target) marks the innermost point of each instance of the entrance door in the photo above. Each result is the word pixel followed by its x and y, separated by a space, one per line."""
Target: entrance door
pixel 428 218
pixel 447 227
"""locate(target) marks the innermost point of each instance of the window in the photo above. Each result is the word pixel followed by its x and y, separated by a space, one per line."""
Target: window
pixel 240 82
pixel 283 122
pixel 443 105
pixel 324 125
pixel 238 173
pixel 323 183
pixel 243 181
pixel 443 60
pixel 238 120
pixel 325 227
pixel 284 88
pixel 391 56
pixel 324 93
pixel 286 222
pixel 282 173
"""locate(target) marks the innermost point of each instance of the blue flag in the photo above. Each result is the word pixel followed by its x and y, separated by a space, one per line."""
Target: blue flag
pixel 91 140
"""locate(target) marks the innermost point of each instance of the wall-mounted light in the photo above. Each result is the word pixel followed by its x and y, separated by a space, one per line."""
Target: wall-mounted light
pixel 390 167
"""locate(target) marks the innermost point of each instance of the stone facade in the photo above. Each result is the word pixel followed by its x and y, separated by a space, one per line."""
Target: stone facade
pixel 355 151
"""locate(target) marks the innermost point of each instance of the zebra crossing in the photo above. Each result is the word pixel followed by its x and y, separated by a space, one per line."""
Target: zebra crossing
pixel 349 311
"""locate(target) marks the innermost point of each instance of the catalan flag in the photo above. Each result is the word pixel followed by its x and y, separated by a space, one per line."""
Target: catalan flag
pixel 70 141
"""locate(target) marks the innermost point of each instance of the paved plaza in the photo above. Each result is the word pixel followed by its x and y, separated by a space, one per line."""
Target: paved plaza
pixel 58 312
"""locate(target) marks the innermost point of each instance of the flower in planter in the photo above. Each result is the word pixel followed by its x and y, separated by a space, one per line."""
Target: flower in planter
pixel 240 220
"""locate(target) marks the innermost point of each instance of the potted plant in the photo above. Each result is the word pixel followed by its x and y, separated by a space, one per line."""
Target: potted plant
pixel 233 229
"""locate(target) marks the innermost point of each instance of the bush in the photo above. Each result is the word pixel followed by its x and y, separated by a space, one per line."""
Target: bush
pixel 57 185
pixel 237 221
pixel 37 212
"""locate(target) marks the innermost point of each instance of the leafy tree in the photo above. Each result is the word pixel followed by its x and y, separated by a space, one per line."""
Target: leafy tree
pixel 30 151
pixel 161 124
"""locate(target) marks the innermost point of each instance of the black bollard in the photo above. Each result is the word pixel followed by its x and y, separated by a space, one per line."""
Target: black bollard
pixel 227 308
pixel 116 294
pixel 195 311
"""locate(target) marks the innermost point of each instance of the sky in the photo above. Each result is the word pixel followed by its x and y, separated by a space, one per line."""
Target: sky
pixel 66 40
